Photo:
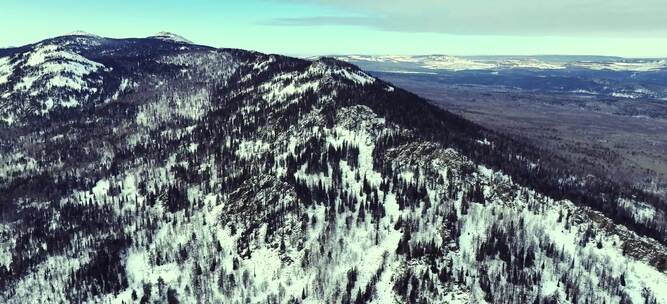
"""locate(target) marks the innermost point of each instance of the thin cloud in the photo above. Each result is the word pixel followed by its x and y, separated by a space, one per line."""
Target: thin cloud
pixel 320 21
pixel 495 17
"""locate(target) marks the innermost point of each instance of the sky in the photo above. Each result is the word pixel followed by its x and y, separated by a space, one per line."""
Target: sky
pixel 630 28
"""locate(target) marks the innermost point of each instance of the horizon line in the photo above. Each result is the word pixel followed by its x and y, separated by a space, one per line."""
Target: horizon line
pixel 301 55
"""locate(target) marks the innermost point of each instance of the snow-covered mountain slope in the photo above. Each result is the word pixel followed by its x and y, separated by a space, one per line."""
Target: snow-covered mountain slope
pixel 81 70
pixel 229 176
pixel 47 77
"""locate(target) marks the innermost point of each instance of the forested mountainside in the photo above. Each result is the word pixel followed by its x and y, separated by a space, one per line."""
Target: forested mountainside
pixel 154 170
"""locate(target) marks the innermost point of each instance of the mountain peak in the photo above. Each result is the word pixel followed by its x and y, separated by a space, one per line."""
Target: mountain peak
pixel 81 33
pixel 171 37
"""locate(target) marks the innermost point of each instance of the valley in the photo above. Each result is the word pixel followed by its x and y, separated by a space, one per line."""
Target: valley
pixel 604 137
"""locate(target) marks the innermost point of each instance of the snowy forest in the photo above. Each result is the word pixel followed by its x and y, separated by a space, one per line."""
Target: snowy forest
pixel 158 171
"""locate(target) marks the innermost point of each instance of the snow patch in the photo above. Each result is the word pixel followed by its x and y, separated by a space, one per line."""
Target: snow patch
pixel 167 36
pixel 101 188
pixel 6 70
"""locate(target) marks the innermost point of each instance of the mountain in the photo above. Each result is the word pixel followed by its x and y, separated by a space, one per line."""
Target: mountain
pixel 77 70
pixel 154 170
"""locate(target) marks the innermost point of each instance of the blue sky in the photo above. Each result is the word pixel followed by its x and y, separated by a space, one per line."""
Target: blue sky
pixel 320 27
